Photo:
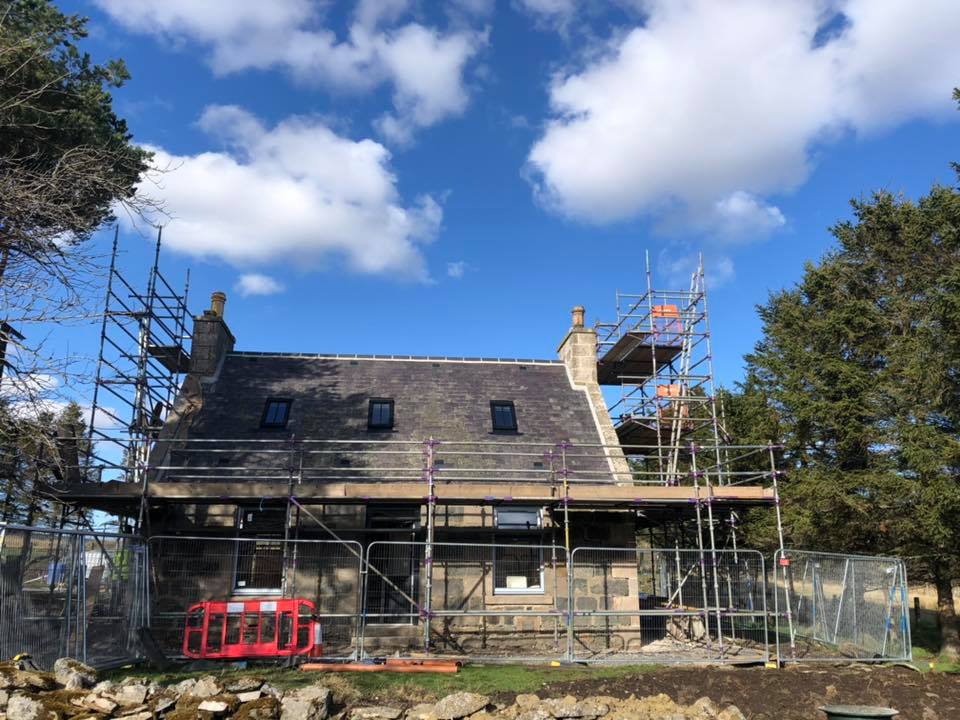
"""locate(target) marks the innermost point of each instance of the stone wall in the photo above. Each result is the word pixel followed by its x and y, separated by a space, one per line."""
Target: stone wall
pixel 488 619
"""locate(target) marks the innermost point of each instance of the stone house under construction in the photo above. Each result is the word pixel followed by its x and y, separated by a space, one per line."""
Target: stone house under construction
pixel 432 503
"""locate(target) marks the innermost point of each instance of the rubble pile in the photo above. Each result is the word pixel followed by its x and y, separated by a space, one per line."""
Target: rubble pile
pixel 72 692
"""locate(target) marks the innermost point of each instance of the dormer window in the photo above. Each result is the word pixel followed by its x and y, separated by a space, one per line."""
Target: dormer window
pixel 504 415
pixel 380 414
pixel 276 413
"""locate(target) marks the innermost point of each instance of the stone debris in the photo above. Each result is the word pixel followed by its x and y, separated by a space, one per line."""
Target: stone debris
pixel 214 706
pixel 129 696
pixel 268 689
pixel 422 711
pixel 164 701
pixel 247 683
pixel 705 708
pixel 21 707
pixel 459 705
pixel 184 687
pixel 377 712
pixel 309 703
pixel 570 708
pixel 206 687
pixel 527 702
pixel 71 692
pixel 731 712
pixel 535 713
pixel 73 675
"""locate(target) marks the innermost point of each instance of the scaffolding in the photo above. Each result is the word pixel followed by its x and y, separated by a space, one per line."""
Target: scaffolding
pixel 143 358
pixel 682 467
pixel 658 356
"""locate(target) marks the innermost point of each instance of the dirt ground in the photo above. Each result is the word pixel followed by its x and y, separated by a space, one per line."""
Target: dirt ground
pixel 792 693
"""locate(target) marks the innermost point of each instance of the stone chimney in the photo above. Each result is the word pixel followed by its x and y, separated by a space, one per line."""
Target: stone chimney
pixel 212 338
pixel 579 350
pixel 579 353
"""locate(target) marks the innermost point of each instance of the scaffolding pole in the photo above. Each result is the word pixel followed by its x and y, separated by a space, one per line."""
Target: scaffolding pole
pixel 430 469
pixel 713 544
pixel 784 560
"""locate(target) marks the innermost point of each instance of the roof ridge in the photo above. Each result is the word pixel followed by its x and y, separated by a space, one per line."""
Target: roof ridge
pixel 415 358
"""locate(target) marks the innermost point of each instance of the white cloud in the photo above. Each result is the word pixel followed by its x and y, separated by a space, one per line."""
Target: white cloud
pixel 257 284
pixel 105 421
pixel 456 269
pixel 549 13
pixel 676 265
pixel 741 214
pixel 29 395
pixel 34 385
pixel 370 13
pixel 425 66
pixel 295 192
pixel 710 106
pixel 423 98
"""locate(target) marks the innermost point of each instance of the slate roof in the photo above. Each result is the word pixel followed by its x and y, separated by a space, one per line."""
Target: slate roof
pixel 447 399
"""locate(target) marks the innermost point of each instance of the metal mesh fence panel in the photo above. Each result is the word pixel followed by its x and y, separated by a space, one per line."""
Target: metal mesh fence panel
pixel 835 607
pixel 501 601
pixel 662 605
pixel 85 594
pixel 71 593
pixel 189 570
pixel 114 596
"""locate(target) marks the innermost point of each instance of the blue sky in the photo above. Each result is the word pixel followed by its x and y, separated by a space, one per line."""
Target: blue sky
pixel 450 178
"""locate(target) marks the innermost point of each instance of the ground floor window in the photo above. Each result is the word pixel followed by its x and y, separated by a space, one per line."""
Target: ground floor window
pixel 517 565
pixel 518 555
pixel 259 558
pixel 259 567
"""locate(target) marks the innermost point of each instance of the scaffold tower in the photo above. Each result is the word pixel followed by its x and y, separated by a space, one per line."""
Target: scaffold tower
pixel 658 357
pixel 144 354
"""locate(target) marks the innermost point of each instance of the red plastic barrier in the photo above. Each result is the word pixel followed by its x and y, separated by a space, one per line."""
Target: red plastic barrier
pixel 252 628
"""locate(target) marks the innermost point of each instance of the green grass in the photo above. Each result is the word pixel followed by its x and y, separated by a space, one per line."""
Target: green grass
pixel 492 679
pixel 347 686
pixel 926 645
pixel 927 661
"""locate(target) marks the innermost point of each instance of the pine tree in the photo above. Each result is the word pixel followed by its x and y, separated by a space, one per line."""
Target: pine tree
pixel 35 452
pixel 859 371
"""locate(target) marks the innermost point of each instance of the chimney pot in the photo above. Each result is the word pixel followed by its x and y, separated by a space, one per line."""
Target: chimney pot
pixel 577 313
pixel 217 301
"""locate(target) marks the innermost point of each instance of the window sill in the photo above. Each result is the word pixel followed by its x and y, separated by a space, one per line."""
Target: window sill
pixel 255 591
pixel 523 597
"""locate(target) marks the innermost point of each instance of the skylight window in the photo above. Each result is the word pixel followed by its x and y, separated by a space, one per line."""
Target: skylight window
pixel 276 413
pixel 380 414
pixel 504 415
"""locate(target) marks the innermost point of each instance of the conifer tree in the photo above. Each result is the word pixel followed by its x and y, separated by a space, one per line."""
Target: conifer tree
pixel 858 370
